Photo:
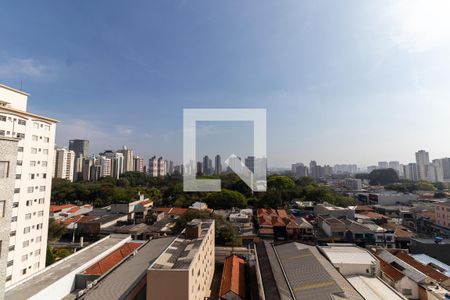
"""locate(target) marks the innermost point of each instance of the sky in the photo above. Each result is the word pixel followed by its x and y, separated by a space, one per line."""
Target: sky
pixel 342 81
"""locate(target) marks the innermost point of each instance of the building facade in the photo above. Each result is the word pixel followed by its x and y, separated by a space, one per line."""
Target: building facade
pixel 32 186
pixel 187 264
pixel 8 158
pixel 80 147
pixel 64 164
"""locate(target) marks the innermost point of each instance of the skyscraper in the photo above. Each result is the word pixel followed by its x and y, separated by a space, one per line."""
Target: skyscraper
pixel 128 162
pixel 138 164
pixel 383 165
pixel 207 165
pixel 80 147
pixel 64 164
pixel 217 165
pixel 35 137
pixel 250 163
pixel 422 160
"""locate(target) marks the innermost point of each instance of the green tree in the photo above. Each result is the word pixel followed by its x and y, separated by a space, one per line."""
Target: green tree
pixel 225 199
pixel 55 229
pixel 49 258
pixel 383 177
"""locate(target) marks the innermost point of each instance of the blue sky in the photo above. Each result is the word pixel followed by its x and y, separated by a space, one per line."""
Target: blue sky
pixel 342 81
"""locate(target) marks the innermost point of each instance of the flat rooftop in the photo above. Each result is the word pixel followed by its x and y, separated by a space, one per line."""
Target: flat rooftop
pixel 182 251
pixel 373 288
pixel 305 274
pixel 347 254
pixel 124 278
pixel 51 274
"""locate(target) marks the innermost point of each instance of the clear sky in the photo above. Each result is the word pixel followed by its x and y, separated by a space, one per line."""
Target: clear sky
pixel 342 81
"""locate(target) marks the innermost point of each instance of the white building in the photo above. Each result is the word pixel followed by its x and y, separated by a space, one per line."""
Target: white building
pixel 32 187
pixel 422 159
pixel 64 164
pixel 354 184
pixel 128 159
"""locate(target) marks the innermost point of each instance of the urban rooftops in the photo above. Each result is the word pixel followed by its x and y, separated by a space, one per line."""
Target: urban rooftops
pixel 184 248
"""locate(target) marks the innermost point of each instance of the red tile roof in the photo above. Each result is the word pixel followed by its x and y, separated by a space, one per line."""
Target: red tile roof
pixel 112 259
pixel 177 211
pixel 391 272
pixel 233 277
pixel 57 208
pixel 428 270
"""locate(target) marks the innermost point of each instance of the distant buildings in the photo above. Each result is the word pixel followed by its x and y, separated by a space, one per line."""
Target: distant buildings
pixel 207 166
pixel 64 164
pixel 128 156
pixel 80 147
pixel 217 165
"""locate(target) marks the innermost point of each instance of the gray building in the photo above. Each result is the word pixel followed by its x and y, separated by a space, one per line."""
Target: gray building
pixel 217 165
pixel 80 147
pixel 8 158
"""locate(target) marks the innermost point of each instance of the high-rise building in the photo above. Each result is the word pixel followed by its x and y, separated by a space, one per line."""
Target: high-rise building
pixel 138 164
pixel 103 167
pixel 117 162
pixel 422 159
pixel 435 171
pixel 128 162
pixel 80 147
pixel 411 172
pixel 445 163
pixel 299 170
pixel 153 166
pixel 78 168
pixel 395 165
pixel 207 165
pixel 217 165
pixel 33 179
pixel 383 165
pixel 8 160
pixel 162 167
pixel 64 164
pixel 199 169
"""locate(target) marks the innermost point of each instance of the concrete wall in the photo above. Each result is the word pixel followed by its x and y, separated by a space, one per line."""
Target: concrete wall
pixel 8 153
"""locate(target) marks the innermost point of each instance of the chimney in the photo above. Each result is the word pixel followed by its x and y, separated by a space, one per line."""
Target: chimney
pixel 193 229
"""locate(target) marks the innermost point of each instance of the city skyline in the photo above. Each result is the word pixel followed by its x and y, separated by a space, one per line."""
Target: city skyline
pixel 365 80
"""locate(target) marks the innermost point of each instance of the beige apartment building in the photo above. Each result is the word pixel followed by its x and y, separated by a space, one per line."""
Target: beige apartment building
pixel 186 268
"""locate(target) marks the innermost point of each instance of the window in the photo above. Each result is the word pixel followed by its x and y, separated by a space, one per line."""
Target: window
pixel 20 135
pixel 42 188
pixel 2 133
pixel 32 163
pixel 13 233
pixel 40 213
pixel 15 204
pixel 26 229
pixel 29 203
pixel 25 244
pixel 14 219
pixel 25 257
pixel 8 278
pixel 39 226
pixel 35 125
pixel 10 263
pixel 33 150
pixel 19 162
pixel 4 169
pixel 20 149
pixel 44 163
pixel 30 189
pixel 28 216
pixel 16 190
pixel 45 151
pixel 38 239
pixel 2 118
pixel 21 122
pixel 44 175
pixel 18 176
pixel 47 127
pixel 37 252
pixel 35 138
pixel 41 200
pixel 11 248
pixel 2 208
pixel 407 292
pixel 32 176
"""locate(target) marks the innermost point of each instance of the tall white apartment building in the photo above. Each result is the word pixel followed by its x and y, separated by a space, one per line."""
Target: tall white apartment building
pixel 128 162
pixel 33 178
pixel 422 159
pixel 64 164
pixel 153 166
